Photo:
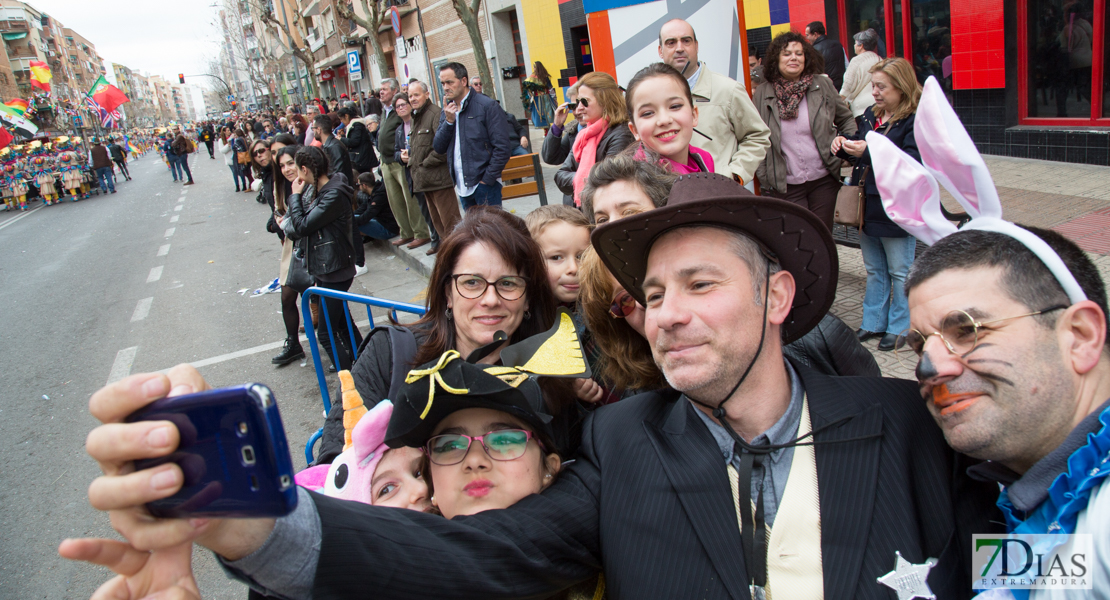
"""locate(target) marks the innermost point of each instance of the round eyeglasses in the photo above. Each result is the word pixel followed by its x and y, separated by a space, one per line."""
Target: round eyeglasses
pixel 503 444
pixel 473 286
pixel 958 330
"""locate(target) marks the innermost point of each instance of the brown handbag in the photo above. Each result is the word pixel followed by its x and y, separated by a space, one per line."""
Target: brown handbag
pixel 850 201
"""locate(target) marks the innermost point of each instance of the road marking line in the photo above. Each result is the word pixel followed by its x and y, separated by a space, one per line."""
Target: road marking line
pixel 179 207
pixel 163 250
pixel 169 232
pixel 263 348
pixel 174 218
pixel 142 309
pixel 155 275
pixel 122 366
pixel 24 215
pixel 181 199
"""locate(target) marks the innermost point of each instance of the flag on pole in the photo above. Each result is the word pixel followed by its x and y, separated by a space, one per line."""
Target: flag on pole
pixel 107 95
pixel 5 138
pixel 40 75
pixel 108 118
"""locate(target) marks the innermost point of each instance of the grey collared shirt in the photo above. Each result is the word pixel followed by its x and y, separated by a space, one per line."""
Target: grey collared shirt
pixel 773 474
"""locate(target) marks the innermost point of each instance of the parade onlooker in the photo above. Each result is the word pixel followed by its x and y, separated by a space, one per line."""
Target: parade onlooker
pixel 430 174
pixel 267 130
pixel 321 215
pixel 835 59
pixel 359 142
pixel 120 158
pixel 283 150
pixel 887 249
pixel 401 201
pixel 755 67
pixel 339 159
pixel 518 135
pixel 403 108
pixel 729 127
pixel 373 218
pixel 102 164
pixel 476 84
pixel 804 112
pixel 603 131
pixel 663 118
pixel 372 105
pixel 226 146
pixel 559 139
pixel 240 143
pixel 857 81
pixel 182 147
pixel 311 113
pixel 171 158
pixel 472 135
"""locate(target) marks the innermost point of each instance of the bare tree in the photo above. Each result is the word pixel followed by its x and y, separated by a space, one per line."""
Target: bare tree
pixel 301 52
pixel 468 14
pixel 375 12
pixel 215 70
pixel 249 55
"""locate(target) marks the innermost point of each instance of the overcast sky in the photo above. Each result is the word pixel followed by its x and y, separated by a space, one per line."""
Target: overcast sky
pixel 159 37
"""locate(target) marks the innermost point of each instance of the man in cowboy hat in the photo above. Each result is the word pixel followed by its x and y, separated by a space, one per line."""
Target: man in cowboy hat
pixel 854 489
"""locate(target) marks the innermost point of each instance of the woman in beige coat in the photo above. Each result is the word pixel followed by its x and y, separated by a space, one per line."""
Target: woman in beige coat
pixel 857 81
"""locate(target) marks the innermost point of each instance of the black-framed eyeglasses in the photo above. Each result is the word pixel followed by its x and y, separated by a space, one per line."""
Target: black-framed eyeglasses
pixel 472 287
pixel 623 306
pixel 502 445
pixel 959 332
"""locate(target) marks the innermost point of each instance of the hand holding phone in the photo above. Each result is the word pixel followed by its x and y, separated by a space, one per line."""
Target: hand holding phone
pixel 123 491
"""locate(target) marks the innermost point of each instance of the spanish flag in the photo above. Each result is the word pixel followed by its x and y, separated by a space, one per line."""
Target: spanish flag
pixel 40 75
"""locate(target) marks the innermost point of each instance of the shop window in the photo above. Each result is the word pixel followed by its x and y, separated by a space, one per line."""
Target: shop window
pixel 930 34
pixel 1061 71
pixel 861 15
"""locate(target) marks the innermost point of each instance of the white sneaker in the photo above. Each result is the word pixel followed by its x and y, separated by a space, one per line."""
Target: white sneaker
pixel 359 271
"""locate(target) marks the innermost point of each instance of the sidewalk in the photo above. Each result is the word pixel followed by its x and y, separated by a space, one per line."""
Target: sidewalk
pixel 1071 199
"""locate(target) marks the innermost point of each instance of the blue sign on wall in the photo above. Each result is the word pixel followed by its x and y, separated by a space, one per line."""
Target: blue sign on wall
pixel 592 6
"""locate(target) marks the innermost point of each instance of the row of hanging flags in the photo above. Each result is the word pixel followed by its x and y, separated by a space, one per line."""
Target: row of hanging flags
pixel 103 99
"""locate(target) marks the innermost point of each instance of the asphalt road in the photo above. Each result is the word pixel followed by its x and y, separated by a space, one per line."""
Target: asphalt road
pixel 127 283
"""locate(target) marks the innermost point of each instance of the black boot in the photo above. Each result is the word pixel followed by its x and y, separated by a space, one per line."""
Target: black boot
pixel 291 352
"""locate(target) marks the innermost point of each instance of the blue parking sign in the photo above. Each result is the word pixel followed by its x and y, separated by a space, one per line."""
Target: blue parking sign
pixel 354 65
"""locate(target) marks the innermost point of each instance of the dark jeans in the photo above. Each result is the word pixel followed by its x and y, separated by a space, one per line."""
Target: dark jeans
pixel 104 175
pixel 489 195
pixel 237 173
pixel 183 162
pixel 211 152
pixel 338 328
pixel 819 196
pixel 175 167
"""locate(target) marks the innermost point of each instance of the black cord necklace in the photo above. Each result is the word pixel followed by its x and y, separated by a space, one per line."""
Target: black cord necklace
pixel 753 535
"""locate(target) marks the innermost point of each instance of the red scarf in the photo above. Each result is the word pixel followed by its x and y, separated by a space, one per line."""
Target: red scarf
pixel 585 152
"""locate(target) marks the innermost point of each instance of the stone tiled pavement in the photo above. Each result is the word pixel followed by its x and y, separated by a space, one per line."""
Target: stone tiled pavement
pixel 1073 199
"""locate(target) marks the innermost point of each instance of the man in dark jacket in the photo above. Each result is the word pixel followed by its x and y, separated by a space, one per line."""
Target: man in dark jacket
pixel 208 136
pixel 372 105
pixel 474 136
pixel 430 174
pixel 120 158
pixel 518 135
pixel 339 160
pixel 836 61
pixel 358 141
pixel 103 166
pixel 373 217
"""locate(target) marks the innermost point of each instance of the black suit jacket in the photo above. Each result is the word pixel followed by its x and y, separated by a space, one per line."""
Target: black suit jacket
pixel 649 502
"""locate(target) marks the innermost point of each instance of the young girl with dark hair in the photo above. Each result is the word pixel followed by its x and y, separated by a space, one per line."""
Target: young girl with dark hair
pixel 663 115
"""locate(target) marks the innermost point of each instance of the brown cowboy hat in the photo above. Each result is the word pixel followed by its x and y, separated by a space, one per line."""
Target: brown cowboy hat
pixel 789 233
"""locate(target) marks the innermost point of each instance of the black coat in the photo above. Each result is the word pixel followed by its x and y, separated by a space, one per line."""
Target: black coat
pixel 834 55
pixel 876 223
pixel 649 502
pixel 326 227
pixel 556 149
pixel 339 159
pixel 375 206
pixel 360 144
pixel 616 139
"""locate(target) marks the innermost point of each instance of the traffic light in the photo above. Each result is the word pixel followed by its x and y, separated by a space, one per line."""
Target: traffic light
pixel 181 78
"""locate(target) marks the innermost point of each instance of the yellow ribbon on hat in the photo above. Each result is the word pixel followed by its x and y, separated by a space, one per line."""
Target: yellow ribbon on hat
pixel 433 374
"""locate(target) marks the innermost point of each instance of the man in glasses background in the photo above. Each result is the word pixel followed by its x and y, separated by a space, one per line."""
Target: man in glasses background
pixel 1016 374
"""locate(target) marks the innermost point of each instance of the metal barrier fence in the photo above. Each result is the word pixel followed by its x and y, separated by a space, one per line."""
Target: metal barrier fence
pixel 345 297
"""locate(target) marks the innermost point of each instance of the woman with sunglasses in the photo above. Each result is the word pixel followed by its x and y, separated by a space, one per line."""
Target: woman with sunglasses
pixel 603 132
pixel 489 277
pixel 283 149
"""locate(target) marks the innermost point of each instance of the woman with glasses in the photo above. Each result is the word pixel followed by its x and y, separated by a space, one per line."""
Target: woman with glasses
pixel 489 277
pixel 602 132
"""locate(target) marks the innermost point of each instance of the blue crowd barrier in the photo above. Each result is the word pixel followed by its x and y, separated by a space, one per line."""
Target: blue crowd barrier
pixel 369 302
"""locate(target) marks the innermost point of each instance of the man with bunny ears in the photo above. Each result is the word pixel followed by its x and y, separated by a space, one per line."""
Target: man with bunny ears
pixel 1008 325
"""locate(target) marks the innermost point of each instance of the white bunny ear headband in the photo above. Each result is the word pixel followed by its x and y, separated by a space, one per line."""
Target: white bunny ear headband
pixel 912 199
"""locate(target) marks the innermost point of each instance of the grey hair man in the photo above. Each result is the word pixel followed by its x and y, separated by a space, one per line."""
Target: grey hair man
pixel 411 224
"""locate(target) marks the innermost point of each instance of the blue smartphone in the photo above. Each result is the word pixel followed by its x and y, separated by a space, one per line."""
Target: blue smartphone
pixel 232 452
